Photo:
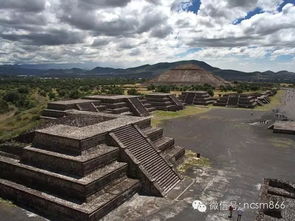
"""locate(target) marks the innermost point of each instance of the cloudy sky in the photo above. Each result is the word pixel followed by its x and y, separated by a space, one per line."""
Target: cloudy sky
pixel 237 34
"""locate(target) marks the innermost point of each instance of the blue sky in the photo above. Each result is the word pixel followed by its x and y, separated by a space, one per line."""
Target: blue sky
pixel 233 34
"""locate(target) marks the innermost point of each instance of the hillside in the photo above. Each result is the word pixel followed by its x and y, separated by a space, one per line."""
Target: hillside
pixel 188 74
pixel 144 71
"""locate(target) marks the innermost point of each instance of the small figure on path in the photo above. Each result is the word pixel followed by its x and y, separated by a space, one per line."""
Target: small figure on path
pixel 230 211
pixel 240 213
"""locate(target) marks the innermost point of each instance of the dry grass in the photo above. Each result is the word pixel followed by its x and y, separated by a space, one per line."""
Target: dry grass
pixel 6 202
pixel 282 142
pixel 191 160
pixel 160 116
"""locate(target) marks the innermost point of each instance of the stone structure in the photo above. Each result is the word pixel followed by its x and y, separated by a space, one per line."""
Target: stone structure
pixel 188 74
pixel 114 104
pixel 196 97
pixel 88 163
pixel 162 101
pixel 285 127
pixel 280 194
pixel 237 100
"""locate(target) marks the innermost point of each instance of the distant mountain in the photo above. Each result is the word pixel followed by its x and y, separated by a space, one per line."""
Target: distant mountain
pixel 144 71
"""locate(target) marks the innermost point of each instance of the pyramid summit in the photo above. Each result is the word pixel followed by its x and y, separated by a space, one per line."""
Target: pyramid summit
pixel 188 74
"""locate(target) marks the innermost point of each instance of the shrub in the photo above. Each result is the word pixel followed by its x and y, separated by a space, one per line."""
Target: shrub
pixel 75 94
pixel 23 90
pixel 12 96
pixel 210 92
pixel 4 107
pixel 133 91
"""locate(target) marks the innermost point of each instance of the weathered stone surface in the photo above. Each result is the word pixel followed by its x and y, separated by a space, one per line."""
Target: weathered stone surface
pixel 72 171
pixel 285 127
pixel 277 192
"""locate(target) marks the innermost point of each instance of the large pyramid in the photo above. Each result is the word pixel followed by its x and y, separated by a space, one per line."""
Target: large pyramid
pixel 188 74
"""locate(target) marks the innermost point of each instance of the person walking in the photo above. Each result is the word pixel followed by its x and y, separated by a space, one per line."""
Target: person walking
pixel 230 211
pixel 240 213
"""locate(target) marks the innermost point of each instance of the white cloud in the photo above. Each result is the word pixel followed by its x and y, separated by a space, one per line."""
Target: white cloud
pixel 135 32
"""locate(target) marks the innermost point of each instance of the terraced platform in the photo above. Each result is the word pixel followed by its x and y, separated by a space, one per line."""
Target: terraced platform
pixel 88 164
pixel 162 101
pixel 112 104
pixel 196 97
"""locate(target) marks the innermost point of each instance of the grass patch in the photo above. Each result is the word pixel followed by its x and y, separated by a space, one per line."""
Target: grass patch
pixel 282 142
pixel 191 160
pixel 6 202
pixel 275 101
pixel 160 116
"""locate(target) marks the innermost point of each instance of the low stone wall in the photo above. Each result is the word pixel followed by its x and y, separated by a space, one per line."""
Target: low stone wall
pixel 65 187
pixel 66 164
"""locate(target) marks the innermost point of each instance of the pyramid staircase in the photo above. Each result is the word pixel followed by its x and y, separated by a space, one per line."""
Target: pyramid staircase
pixel 87 107
pixel 162 101
pixel 232 100
pixel 148 106
pixel 121 104
pixel 189 98
pixel 177 102
pixel 138 107
pixel 196 97
pixel 156 169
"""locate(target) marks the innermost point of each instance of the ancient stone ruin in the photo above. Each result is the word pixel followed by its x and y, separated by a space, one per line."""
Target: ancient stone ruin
pixel 237 100
pixel 114 104
pixel 85 164
pixel 277 200
pixel 162 101
pixel 196 97
pixel 284 127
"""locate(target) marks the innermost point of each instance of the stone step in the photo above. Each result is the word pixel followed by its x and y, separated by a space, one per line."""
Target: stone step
pixel 157 98
pixel 53 113
pixel 147 105
pixel 153 133
pixel 70 165
pixel 127 113
pixel 151 109
pixel 176 101
pixel 55 208
pixel 101 107
pixel 47 118
pixel 160 103
pixel 174 154
pixel 9 155
pixel 87 107
pixel 137 107
pixel 117 105
pixel 152 162
pixel 74 189
pixel 120 110
pixel 164 143
pixel 13 148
